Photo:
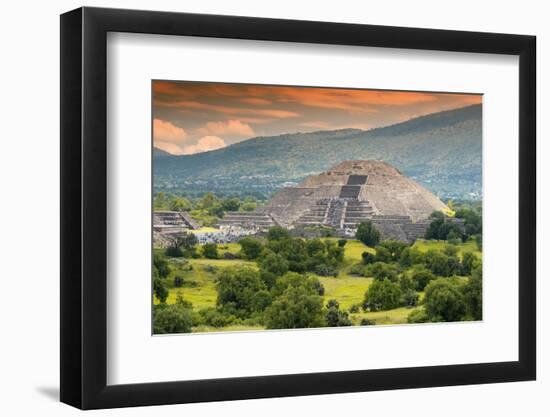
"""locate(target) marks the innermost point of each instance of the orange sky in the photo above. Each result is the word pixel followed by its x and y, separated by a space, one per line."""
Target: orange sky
pixel 191 117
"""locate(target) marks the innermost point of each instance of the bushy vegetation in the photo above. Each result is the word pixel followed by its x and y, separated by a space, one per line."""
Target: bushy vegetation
pixel 278 281
pixel 206 208
pixel 368 234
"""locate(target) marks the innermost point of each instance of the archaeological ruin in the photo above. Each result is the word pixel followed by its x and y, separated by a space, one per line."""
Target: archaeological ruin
pixel 344 196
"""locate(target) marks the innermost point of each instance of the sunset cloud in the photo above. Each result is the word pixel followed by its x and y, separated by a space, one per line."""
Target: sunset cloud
pixel 230 129
pixel 256 101
pixel 196 105
pixel 167 132
pixel 206 143
pixel 216 115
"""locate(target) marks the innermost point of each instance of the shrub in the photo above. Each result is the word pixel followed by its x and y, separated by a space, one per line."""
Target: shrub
pixel 418 316
pixel 473 295
pixel 251 247
pixel 277 233
pixel 394 248
pixel 354 308
pixel 411 256
pixel 469 263
pixel 334 317
pixel 368 234
pixel 421 277
pixel 409 298
pixel 367 322
pixel 296 308
pixel 174 318
pixel 161 265
pixel 159 290
pixel 210 251
pixel 178 281
pixel 275 264
pixel 237 291
pixel 443 300
pixel 292 279
pixel 382 295
pixel 367 258
pixel 212 317
pixel 173 252
pixel 342 242
pixel 381 271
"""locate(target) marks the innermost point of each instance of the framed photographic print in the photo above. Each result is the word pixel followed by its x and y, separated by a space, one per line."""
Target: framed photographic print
pixel 257 208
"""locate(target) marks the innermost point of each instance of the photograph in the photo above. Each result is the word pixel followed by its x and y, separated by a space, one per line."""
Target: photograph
pixel 293 207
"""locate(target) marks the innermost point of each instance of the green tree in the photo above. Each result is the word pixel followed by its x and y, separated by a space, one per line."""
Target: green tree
pixel 479 242
pixel 160 290
pixel 472 220
pixel 174 318
pixel 381 271
pixel 335 317
pixel 469 263
pixel 368 234
pixel 275 264
pixel 292 279
pixel 159 202
pixel 382 295
pixel 180 204
pixel 231 204
pixel 207 201
pixel 277 233
pixel 411 256
pixel 210 251
pixel 473 295
pixel 418 316
pixel 443 300
pixel 394 247
pixel 421 277
pixel 251 247
pixel 238 290
pixel 296 308
pixel 160 265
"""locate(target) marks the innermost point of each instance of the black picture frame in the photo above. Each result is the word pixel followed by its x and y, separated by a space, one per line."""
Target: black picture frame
pixel 84 207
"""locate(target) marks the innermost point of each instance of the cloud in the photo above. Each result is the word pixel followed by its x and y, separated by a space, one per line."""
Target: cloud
pixel 231 129
pixel 169 147
pixel 196 105
pixel 167 132
pixel 256 101
pixel 206 143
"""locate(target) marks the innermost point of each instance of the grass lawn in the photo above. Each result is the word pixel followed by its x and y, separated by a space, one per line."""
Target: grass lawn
pixel 347 291
pixel 353 249
pixel 203 293
pixel 228 247
pixel 199 282
pixel 426 245
pixel 395 316
pixel 230 328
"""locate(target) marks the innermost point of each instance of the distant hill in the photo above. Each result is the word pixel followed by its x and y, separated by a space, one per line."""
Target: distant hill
pixel 442 151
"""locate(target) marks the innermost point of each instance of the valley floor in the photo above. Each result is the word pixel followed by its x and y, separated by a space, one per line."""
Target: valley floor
pixel 199 276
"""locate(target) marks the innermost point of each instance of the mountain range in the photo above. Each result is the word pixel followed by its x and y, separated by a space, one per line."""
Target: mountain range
pixel 442 151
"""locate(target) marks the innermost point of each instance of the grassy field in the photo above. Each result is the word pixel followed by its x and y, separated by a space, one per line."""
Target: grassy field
pixel 199 287
pixel 395 316
pixel 230 328
pixel 347 291
pixel 199 277
pixel 353 250
pixel 426 245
